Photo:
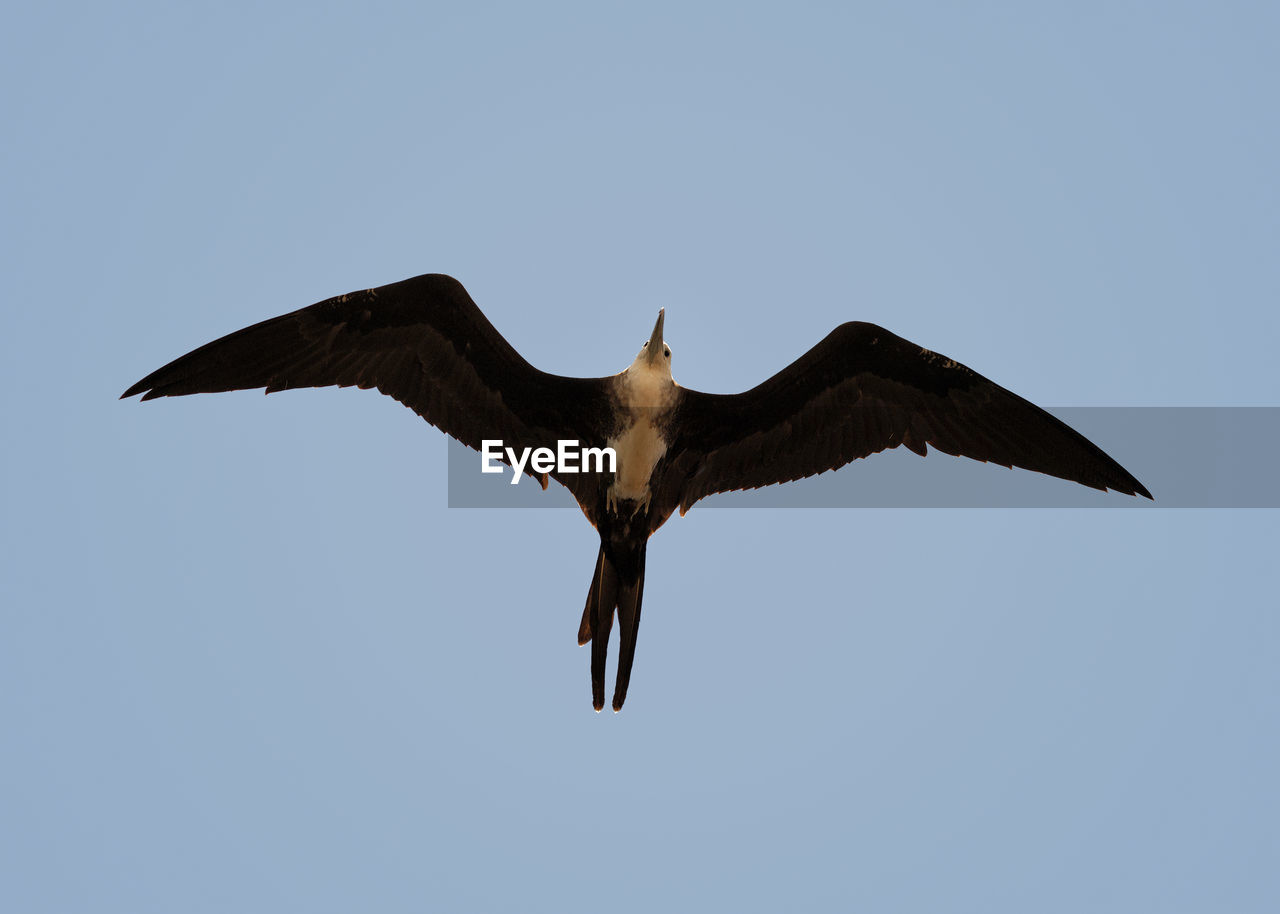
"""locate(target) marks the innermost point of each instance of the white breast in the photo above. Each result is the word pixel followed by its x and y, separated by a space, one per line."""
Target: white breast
pixel 639 448
pixel 646 394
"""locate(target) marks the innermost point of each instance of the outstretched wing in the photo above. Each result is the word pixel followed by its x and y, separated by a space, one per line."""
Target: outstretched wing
pixel 860 391
pixel 422 341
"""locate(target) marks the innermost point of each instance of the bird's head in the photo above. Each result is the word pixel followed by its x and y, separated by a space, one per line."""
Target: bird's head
pixel 655 353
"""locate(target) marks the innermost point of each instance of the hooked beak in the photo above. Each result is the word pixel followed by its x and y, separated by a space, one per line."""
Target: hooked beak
pixel 654 349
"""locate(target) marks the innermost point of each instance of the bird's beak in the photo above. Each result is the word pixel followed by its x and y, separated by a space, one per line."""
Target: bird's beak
pixel 654 349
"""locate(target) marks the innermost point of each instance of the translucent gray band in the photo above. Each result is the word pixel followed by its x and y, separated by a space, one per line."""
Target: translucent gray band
pixel 1188 456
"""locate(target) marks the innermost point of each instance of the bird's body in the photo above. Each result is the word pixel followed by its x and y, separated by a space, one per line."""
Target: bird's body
pixel 859 391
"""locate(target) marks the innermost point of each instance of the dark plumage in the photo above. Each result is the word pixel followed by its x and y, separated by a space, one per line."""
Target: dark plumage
pixel 861 390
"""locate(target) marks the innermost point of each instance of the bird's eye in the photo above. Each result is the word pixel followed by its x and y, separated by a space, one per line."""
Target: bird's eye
pixel 666 350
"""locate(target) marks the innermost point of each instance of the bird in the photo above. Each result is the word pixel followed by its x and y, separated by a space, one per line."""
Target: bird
pixel 859 391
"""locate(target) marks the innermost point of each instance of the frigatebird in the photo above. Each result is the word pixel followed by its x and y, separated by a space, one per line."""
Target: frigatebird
pixel 859 391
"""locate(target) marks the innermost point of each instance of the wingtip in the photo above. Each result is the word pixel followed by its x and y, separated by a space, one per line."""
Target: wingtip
pixel 147 387
pixel 1134 488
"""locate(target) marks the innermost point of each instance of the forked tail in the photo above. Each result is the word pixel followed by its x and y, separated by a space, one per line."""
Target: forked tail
pixel 613 588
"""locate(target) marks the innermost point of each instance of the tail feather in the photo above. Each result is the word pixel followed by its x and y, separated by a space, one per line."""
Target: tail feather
pixel 605 589
pixel 589 614
pixel 609 592
pixel 628 626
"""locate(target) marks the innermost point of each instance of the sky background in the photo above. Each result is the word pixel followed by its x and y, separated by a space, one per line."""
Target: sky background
pixel 251 661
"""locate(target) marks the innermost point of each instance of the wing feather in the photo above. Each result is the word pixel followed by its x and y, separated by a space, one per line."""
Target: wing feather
pixel 423 342
pixel 863 390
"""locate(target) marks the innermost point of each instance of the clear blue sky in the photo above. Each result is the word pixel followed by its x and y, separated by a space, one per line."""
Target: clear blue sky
pixel 250 661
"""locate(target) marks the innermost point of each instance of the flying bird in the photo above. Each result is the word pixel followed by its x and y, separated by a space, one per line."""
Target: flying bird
pixel 859 391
